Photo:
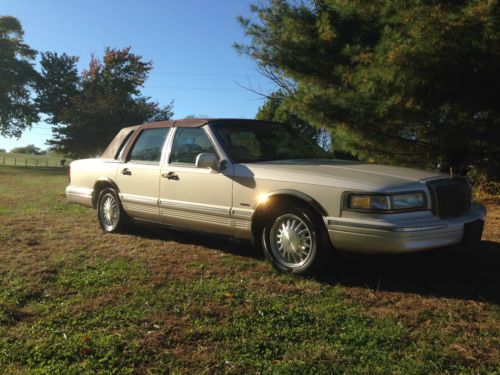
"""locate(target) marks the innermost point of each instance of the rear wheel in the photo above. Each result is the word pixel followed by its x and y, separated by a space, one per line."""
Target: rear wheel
pixel 112 218
pixel 294 240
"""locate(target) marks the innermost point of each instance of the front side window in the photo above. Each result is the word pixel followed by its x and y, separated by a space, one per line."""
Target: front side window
pixel 148 146
pixel 188 143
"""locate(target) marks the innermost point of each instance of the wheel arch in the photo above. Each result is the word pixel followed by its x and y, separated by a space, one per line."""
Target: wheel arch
pixel 101 184
pixel 276 199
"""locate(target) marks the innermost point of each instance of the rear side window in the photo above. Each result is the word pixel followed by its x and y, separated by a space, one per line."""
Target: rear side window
pixel 148 146
pixel 188 143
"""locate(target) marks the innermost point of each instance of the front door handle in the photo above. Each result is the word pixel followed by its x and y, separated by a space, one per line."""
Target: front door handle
pixel 126 172
pixel 170 176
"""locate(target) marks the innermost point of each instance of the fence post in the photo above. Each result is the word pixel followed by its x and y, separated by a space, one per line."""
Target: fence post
pixel 15 161
pixel 36 165
pixel 26 162
pixel 4 160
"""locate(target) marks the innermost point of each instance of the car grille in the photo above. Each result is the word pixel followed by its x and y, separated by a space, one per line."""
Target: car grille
pixel 451 197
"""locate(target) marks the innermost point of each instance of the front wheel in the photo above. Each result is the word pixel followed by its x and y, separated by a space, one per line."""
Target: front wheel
pixel 293 241
pixel 110 214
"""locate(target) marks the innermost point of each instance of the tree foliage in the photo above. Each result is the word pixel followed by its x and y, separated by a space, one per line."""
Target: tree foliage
pixel 413 82
pixel 17 77
pixel 57 86
pixel 89 109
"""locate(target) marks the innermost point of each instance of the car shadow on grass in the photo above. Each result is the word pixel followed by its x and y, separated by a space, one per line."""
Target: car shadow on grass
pixel 462 272
pixel 191 238
pixel 469 273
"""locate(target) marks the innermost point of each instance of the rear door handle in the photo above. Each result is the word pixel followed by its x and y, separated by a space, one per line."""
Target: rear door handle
pixel 170 176
pixel 126 172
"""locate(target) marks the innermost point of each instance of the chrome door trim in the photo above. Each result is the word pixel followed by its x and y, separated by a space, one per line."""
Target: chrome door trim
pixel 195 207
pixel 139 199
pixel 191 216
pixel 243 213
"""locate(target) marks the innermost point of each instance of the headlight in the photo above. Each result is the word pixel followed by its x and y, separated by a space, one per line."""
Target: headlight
pixel 407 201
pixel 386 202
pixel 369 202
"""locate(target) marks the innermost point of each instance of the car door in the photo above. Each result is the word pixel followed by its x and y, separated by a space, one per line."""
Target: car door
pixel 191 197
pixel 138 177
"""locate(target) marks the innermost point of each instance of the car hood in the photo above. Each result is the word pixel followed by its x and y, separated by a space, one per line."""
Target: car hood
pixel 334 171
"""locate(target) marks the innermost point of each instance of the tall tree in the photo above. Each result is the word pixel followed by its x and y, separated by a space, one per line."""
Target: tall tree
pixel 89 109
pixel 17 77
pixel 411 82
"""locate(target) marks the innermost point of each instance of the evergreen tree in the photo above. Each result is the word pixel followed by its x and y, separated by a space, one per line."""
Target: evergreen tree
pixel 411 82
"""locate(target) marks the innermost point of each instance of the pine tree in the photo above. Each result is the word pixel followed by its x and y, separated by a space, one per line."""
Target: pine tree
pixel 411 82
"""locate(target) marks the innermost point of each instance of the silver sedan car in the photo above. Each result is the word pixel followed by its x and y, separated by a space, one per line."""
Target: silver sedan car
pixel 267 183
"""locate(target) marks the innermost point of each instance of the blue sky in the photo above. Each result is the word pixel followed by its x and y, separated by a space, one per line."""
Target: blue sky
pixel 188 41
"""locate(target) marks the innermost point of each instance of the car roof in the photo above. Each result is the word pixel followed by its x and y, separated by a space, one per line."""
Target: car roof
pixel 114 146
pixel 186 123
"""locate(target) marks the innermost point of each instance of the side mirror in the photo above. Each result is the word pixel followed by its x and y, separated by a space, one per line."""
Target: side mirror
pixel 207 160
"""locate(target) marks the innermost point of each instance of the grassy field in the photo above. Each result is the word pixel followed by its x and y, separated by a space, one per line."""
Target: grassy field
pixel 31 160
pixel 75 300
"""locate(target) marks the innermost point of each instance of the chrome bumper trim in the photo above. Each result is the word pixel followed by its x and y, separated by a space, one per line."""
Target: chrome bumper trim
pixel 79 195
pixel 83 192
pixel 386 227
pixel 399 236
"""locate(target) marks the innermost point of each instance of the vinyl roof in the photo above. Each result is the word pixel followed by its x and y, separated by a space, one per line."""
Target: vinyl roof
pixel 187 123
pixel 113 147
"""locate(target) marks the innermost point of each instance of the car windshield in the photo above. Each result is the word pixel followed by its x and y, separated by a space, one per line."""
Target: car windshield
pixel 249 142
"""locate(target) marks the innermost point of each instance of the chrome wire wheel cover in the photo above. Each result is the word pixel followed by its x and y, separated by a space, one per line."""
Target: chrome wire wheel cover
pixel 109 212
pixel 291 240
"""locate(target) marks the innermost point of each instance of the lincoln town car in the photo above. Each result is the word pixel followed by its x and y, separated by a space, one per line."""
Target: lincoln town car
pixel 267 183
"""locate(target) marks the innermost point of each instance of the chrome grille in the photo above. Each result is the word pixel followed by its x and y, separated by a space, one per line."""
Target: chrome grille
pixel 451 197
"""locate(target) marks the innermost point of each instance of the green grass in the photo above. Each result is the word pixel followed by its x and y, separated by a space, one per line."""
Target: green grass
pixel 74 300
pixel 31 160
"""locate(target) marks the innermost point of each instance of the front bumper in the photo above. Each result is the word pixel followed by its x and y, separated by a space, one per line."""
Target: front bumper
pixel 399 236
